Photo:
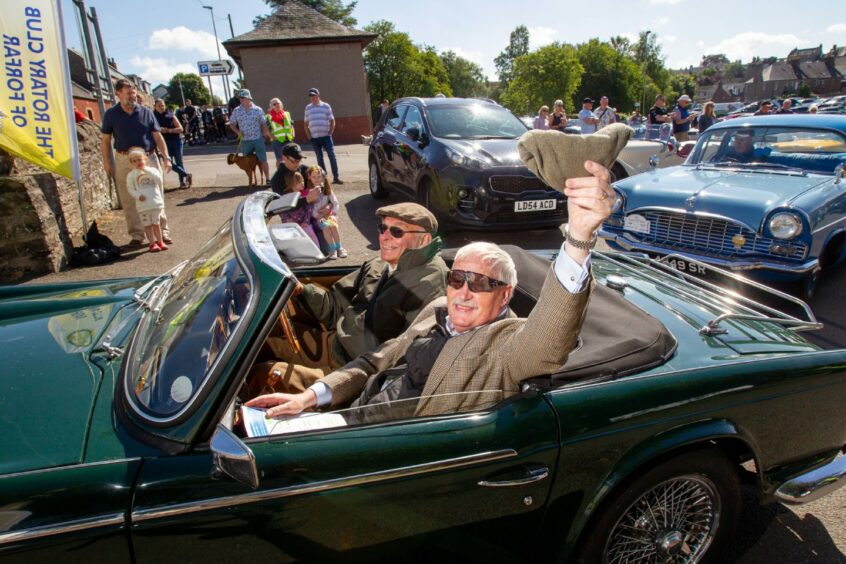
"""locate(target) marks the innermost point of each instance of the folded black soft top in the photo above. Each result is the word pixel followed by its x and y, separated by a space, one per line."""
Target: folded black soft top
pixel 617 338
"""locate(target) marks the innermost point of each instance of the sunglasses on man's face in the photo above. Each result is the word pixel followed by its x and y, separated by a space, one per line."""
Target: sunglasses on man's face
pixel 396 232
pixel 475 281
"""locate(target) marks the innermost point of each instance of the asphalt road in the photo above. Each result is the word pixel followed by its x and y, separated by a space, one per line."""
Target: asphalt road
pixel 772 533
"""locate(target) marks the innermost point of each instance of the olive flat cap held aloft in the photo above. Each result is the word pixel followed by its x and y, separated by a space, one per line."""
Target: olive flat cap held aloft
pixel 554 157
pixel 414 214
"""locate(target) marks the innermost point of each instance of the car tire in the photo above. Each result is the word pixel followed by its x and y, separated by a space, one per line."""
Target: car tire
pixel 377 187
pixel 618 172
pixel 706 497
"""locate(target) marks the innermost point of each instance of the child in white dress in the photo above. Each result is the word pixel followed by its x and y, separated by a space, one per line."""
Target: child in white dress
pixel 326 212
pixel 144 183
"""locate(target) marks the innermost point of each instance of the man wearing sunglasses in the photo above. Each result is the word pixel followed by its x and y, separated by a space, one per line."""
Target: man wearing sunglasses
pixel 471 342
pixel 378 301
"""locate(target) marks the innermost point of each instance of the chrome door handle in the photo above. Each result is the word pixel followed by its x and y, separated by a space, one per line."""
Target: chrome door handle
pixel 534 475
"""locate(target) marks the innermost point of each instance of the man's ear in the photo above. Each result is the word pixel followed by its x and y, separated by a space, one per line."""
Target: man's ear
pixel 507 295
pixel 425 239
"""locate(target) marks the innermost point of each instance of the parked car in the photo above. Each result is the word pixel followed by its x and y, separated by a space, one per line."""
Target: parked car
pixel 761 195
pixel 649 144
pixel 834 105
pixel 458 157
pixel 121 441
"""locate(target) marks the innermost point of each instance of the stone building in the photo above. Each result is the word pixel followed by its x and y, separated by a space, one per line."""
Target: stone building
pixel 297 48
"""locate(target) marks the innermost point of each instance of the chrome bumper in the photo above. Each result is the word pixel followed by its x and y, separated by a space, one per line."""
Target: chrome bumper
pixel 815 484
pixel 733 265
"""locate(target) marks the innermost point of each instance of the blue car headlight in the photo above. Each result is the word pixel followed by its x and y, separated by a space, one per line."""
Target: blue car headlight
pixel 785 225
pixel 460 159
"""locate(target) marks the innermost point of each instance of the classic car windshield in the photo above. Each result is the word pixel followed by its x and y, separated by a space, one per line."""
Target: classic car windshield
pixel 811 150
pixel 180 339
pixel 479 121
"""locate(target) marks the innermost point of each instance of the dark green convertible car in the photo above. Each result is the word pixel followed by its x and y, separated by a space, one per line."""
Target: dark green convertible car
pixel 123 439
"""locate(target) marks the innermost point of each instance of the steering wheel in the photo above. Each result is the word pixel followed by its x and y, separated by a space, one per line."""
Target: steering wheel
pixel 288 329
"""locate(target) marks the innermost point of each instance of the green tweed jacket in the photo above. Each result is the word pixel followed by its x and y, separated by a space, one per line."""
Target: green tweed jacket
pixel 496 357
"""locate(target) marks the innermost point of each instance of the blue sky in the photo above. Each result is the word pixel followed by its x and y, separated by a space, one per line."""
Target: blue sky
pixel 156 38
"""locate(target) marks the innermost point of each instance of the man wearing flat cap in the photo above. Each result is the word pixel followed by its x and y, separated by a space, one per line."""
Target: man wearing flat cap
pixel 381 299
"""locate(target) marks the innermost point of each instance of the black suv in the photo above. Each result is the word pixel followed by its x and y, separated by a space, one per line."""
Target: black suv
pixel 458 157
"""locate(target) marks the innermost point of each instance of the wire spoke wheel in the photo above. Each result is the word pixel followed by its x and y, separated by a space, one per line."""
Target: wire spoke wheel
pixel 673 522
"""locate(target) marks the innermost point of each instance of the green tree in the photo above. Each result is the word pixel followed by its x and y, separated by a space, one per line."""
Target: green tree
pixel 466 78
pixel 518 45
pixel 609 71
pixel 734 70
pixel 804 90
pixel 334 9
pixel 541 77
pixel 396 67
pixel 681 84
pixel 193 88
pixel 647 54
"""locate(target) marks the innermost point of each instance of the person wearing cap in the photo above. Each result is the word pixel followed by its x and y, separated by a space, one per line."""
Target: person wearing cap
pixel 378 301
pixel 247 121
pixel 587 119
pixel 682 117
pixel 319 127
pixel 281 128
pixel 469 351
pixel 290 161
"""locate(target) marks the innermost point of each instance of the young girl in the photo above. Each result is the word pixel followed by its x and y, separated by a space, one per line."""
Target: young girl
pixel 301 214
pixel 326 212
pixel 144 183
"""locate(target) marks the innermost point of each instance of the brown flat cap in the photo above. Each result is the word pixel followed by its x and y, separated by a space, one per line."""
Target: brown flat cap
pixel 411 213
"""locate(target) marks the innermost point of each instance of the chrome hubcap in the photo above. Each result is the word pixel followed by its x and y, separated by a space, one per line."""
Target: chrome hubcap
pixel 673 522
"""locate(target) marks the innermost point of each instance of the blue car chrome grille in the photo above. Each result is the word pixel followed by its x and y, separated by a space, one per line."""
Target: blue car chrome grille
pixel 710 236
pixel 508 184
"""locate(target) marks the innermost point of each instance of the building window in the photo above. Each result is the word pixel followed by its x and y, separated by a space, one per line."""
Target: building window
pixel 90 114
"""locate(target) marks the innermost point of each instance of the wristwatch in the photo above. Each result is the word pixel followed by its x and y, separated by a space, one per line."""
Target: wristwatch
pixel 578 243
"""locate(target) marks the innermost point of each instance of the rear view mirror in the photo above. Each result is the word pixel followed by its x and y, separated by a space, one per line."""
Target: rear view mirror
pixel 233 458
pixel 413 133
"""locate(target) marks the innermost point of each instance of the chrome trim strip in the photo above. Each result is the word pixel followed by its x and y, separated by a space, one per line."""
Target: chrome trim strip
pixel 67 527
pixel 160 512
pixel 828 225
pixel 814 484
pixel 71 467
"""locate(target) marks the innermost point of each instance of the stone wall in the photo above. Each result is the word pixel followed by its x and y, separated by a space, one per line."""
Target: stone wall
pixel 39 211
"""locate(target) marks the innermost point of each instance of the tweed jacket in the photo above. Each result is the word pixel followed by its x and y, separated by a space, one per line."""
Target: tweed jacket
pixel 419 278
pixel 496 357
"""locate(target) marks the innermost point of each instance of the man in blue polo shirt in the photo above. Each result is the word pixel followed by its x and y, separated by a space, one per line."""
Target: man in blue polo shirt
pixel 132 125
pixel 319 126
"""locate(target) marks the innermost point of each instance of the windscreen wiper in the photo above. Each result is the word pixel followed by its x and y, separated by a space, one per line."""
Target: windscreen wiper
pixel 757 166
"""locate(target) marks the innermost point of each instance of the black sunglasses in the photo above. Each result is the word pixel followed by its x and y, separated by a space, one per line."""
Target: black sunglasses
pixel 396 232
pixel 475 281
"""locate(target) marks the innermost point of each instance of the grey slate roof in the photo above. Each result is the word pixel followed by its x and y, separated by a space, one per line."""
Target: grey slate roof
pixel 294 22
pixel 779 71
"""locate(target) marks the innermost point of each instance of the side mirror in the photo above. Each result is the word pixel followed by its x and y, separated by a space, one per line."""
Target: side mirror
pixel 424 140
pixel 685 150
pixel 232 457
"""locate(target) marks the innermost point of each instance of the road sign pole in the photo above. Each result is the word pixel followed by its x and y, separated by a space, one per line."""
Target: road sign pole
pixel 232 33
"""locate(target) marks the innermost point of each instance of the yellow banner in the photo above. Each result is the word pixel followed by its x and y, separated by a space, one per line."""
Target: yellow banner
pixel 36 119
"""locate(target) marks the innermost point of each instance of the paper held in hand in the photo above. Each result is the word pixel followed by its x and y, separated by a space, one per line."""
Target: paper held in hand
pixel 257 424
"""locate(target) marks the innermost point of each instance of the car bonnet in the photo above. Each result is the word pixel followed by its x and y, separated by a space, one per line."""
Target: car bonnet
pixel 48 384
pixel 745 196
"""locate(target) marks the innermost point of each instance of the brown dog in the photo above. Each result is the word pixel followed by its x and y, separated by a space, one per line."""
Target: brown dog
pixel 247 163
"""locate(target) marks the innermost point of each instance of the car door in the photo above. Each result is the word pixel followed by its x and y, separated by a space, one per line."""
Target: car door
pixel 410 148
pixel 467 485
pixel 385 143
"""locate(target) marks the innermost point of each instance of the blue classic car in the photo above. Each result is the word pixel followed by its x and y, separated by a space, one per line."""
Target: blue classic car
pixel 761 195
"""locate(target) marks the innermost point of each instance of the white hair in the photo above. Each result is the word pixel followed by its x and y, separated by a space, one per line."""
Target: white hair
pixel 493 257
pixel 272 100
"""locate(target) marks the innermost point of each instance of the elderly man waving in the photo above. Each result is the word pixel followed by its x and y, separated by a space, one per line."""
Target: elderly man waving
pixel 470 342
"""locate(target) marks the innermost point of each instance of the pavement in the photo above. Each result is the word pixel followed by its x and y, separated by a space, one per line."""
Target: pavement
pixel 774 533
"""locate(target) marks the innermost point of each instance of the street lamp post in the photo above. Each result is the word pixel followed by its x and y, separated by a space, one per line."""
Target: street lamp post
pixel 217 45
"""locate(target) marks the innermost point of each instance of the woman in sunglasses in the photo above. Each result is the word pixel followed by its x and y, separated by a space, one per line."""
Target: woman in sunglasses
pixel 471 341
